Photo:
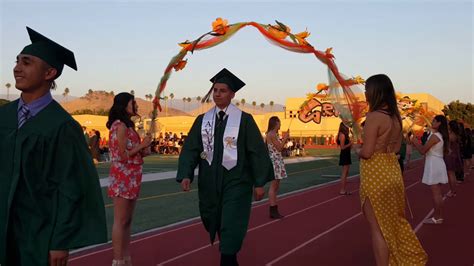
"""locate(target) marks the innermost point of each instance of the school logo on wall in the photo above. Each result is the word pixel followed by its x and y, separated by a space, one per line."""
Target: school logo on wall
pixel 313 110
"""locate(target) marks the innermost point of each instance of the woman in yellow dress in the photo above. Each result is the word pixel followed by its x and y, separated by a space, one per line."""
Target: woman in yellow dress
pixel 382 191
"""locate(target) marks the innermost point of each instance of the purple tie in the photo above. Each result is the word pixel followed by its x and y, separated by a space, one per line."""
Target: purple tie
pixel 23 115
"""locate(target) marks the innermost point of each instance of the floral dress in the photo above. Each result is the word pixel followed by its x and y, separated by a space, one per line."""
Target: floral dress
pixel 277 161
pixel 125 173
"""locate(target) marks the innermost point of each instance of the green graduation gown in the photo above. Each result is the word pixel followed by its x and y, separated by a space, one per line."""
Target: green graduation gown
pixel 225 196
pixel 50 197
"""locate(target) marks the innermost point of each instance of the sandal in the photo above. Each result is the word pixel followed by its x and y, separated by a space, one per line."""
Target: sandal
pixel 433 220
pixel 347 193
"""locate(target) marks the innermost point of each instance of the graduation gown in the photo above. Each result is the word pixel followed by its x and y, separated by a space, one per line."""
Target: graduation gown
pixel 50 197
pixel 225 196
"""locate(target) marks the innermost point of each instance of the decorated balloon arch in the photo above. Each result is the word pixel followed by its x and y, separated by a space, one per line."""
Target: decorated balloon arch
pixel 341 93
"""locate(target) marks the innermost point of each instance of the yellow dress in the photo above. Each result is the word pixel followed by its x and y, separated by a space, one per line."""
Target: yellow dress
pixel 381 181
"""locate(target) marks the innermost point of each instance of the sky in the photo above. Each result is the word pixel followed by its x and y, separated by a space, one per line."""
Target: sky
pixel 423 46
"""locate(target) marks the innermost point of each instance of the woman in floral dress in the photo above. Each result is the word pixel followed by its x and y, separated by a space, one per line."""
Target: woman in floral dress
pixel 125 172
pixel 275 146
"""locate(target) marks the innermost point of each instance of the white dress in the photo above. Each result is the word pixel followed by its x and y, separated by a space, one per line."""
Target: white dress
pixel 277 161
pixel 435 168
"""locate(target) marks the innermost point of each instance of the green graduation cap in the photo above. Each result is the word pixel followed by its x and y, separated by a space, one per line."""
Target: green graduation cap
pixel 52 53
pixel 226 77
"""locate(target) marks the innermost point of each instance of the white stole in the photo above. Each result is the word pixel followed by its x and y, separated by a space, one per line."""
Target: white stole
pixel 231 133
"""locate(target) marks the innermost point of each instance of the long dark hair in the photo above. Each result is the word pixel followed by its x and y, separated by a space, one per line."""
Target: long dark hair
pixel 454 127
pixel 344 130
pixel 462 133
pixel 118 111
pixel 272 123
pixel 443 129
pixel 380 93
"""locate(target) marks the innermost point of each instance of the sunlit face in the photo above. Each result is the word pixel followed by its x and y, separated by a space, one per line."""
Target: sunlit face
pixel 132 107
pixel 277 126
pixel 222 95
pixel 31 72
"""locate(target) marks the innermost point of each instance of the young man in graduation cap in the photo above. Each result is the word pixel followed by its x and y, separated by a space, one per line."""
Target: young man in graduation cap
pixel 228 147
pixel 50 195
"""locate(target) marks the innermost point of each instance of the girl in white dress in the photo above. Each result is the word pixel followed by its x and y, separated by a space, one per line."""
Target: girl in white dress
pixel 435 172
pixel 275 146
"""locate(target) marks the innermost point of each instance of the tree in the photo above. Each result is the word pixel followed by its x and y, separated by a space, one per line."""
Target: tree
pixel 188 99
pixel 237 104
pixel 8 85
pixel 112 93
pixel 459 111
pixel 198 99
pixel 132 92
pixel 166 105
pixel 271 106
pixel 184 104
pixel 171 97
pixel 242 102
pixel 262 105
pixel 66 93
pixel 90 92
pixel 254 104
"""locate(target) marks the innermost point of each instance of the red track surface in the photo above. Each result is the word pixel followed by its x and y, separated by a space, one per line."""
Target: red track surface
pixel 320 228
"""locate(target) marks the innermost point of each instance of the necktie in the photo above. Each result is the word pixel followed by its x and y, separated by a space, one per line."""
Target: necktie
pixel 23 115
pixel 221 116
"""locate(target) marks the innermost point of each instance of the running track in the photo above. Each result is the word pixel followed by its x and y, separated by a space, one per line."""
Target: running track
pixel 320 228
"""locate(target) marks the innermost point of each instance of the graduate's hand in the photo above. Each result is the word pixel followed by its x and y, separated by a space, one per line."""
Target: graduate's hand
pixel 58 257
pixel 259 192
pixel 186 184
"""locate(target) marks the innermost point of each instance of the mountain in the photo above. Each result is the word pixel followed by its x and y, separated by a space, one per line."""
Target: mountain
pixel 194 107
pixel 101 101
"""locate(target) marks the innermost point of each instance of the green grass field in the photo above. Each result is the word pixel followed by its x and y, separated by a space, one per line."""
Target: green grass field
pixel 162 202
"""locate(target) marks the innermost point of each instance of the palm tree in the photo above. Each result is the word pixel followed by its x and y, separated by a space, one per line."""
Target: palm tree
pixel 271 106
pixel 237 104
pixel 254 103
pixel 90 91
pixel 242 102
pixel 132 92
pixel 66 93
pixel 262 105
pixel 8 85
pixel 198 99
pixel 184 104
pixel 171 97
pixel 166 105
pixel 112 93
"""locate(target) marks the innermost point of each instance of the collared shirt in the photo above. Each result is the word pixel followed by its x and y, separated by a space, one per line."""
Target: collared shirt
pixel 35 106
pixel 223 110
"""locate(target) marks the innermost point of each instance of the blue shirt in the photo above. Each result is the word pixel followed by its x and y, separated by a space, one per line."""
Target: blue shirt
pixel 35 106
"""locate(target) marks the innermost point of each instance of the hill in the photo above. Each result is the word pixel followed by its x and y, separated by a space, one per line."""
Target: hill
pixel 194 107
pixel 99 102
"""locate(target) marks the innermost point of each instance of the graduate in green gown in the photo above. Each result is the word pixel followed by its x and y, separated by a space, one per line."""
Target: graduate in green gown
pixel 233 161
pixel 50 197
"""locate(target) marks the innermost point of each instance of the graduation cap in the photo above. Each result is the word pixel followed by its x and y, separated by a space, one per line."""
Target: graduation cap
pixel 226 77
pixel 52 53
